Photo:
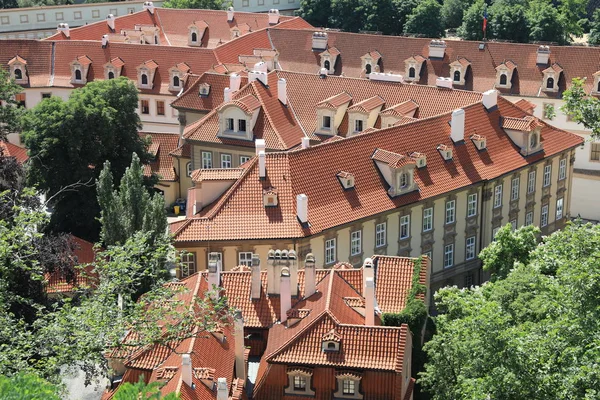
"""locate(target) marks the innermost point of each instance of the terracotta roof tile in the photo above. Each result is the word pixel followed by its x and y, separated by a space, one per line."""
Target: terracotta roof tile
pixel 526 106
pixel 394 160
pixel 401 109
pixel 526 124
pixel 367 105
pixel 336 100
pixel 216 174
pixel 8 149
pixel 38 55
pixel 394 281
pixel 162 145
pixel 192 100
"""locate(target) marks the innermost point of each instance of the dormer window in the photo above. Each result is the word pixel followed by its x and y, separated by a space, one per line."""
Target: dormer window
pixel 18 74
pixel 145 73
pixel 111 75
pixel 348 385
pixel 403 180
pixel 241 125
pixel 299 381
pixel 458 70
pixel 328 59
pixel 550 83
pixel 327 64
pixel 194 37
pixel 229 124
pixel 331 341
pixel 204 90
pixel 79 69
pixel 176 75
pixel 411 72
pixel 346 179
pixel 368 69
pixel 420 159
pixel 456 76
pixel 326 122
pixel 270 197
pixel 370 62
pixel 175 81
pixel 196 33
pixel 237 118
pixel 144 79
pixel 504 73
pixel 412 68
pixel 112 69
pixel 362 115
pixel 524 132
pixel 18 69
pixel 479 141
pixel 397 170
pixel 330 113
pixel 503 79
pixel 358 125
pixel 551 78
pixel 78 75
pixel 445 152
pixel 533 140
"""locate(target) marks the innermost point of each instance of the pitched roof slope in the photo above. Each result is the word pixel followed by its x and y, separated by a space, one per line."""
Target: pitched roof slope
pixel 161 147
pixel 8 149
pixel 38 56
pixel 192 100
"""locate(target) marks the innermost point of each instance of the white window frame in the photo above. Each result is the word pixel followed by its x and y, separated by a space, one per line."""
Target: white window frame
pixel 301 381
pixel 450 211
pixel 513 224
pixel 498 196
pixel 206 160
pixel 330 251
pixel 514 188
pixel 427 219
pixel 531 182
pixel 323 126
pixel 381 234
pixel 188 168
pixel 404 226
pixel 348 387
pixel 188 264
pixel 559 208
pixel 245 258
pixel 544 217
pixel 449 255
pixel 226 163
pixel 529 218
pixel 355 243
pixel 547 175
pixel 472 205
pixel 229 124
pixel 470 248
pixel 562 169
pixel 244 159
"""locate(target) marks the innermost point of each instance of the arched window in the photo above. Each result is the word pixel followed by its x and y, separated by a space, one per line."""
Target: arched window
pixel 550 83
pixel 144 79
pixel 77 75
pixel 411 72
pixel 326 64
pixel 188 169
pixel 176 81
pixel 194 37
pixel 331 346
pixel 18 74
pixel 368 68
pixel 155 39
pixel 111 75
pixel 503 79
pixel 403 180
pixel 533 140
pixel 456 76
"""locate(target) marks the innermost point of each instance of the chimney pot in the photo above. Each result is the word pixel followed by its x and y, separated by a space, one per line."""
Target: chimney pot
pixel 302 208
pixel 230 14
pixel 457 128
pixel 490 99
pixel 305 142
pixel 260 145
pixel 285 298
pixel 370 302
pixel 282 90
pixel 104 41
pixel 323 73
pixel 148 5
pixel 443 81
pixel 309 275
pixel 227 95
pixel 273 16
pixel 272 277
pixel 214 273
pixel 64 28
pixel 319 40
pixel 543 55
pixel 110 21
pixel 437 49
pixel 186 369
pixel 262 165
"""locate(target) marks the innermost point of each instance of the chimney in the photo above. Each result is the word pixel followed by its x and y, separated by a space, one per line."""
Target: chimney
pixel 240 349
pixel 457 128
pixel 444 82
pixel 256 281
pixel 310 279
pixel 490 99
pixel 437 49
pixel 262 165
pixel 319 40
pixel 222 389
pixel 305 142
pixel 369 302
pixel 543 55
pixel 110 21
pixel 227 95
pixel 323 73
pixel 258 76
pixel 271 275
pixel 282 90
pixel 260 145
pixel 302 208
pixel 235 82
pixel 273 16
pixel 104 41
pixel 230 13
pixel 368 272
pixel 64 28
pixel 214 273
pixel 285 298
pixel 186 369
pixel 293 265
pixel 148 5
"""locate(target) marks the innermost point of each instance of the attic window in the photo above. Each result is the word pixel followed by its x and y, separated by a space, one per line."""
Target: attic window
pixel 456 76
pixel 331 341
pixel 299 381
pixel 326 122
pixel 346 179
pixel 176 81
pixel 18 74
pixel 479 141
pixel 503 79
pixel 420 159
pixel 445 151
pixel 358 125
pixel 550 83
pixel 368 69
pixel 403 180
pixel 533 140
pixel 348 385
pixel 144 79
pixel 270 197
pixel 411 72
pixel 111 75
pixel 327 65
pixel 78 75
pixel 194 37
pixel 204 90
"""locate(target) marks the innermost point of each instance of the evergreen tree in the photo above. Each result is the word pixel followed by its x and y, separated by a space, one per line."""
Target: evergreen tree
pixel 472 25
pixel 452 13
pixel 425 20
pixel 545 22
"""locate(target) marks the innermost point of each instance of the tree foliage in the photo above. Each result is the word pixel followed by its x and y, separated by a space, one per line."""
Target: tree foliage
pixel 140 390
pixel 69 140
pixel 452 12
pixel 27 387
pixel 204 4
pixel 582 108
pixel 472 25
pixel 594 36
pixel 545 22
pixel 534 334
pixel 426 20
pixel 509 22
pixel 9 112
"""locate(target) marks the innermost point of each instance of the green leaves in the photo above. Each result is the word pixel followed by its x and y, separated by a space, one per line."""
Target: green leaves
pixel 27 387
pixel 426 20
pixel 581 108
pixel 9 113
pixel 205 4
pixel 140 390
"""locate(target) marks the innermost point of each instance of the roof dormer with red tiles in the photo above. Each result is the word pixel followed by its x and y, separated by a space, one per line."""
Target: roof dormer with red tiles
pixel 395 113
pixel 328 59
pixel 363 114
pixel 177 75
pixel 412 68
pixel 371 62
pixel 237 117
pixel 79 70
pixel 458 71
pixel 196 32
pixel 398 171
pixel 551 78
pixel 113 68
pixel 145 74
pixel 525 132
pixel 504 74
pixel 18 70
pixel 330 113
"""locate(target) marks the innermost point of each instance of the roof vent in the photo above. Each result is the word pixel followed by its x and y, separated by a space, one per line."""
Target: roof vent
pixel 64 28
pixel 110 21
pixel 273 16
pixel 262 165
pixel 445 151
pixel 104 41
pixel 388 77
pixel 226 95
pixel 420 159
pixel 346 179
pixel 230 13
pixel 260 145
pixel 319 40
pixel 305 142
pixel 543 55
pixel 443 82
pixel 148 5
pixel 437 49
pixel 479 141
pixel 323 73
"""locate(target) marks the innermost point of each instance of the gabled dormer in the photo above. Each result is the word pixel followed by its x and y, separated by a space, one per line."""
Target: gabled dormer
pixel 113 68
pixel 412 68
pixel 370 62
pixel 397 170
pixel 331 341
pixel 445 151
pixel 504 74
pixel 330 113
pixel 329 58
pixel 238 117
pixel 596 85
pixel 458 70
pixel 395 113
pixel 177 75
pixel 270 197
pixel 204 89
pixel 18 70
pixel 551 77
pixel 196 33
pixel 525 132
pixel 240 30
pixel 145 74
pixel 79 70
pixel 346 179
pixel 363 114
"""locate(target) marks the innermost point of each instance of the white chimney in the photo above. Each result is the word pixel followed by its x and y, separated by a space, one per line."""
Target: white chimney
pixel 305 142
pixel 186 369
pixel 240 349
pixel 323 73
pixel 261 66
pixel 368 272
pixel 273 16
pixel 386 76
pixel 370 302
pixel 437 49
pixel 282 90
pixel 293 265
pixel 235 82
pixel 285 298
pixel 222 389
pixel 443 82
pixel 230 13
pixel 260 145
pixel 104 41
pixel 490 99
pixel 227 95
pixel 302 208
pixel 457 128
pixel 271 274
pixel 148 5
pixel 110 21
pixel 258 76
pixel 256 281
pixel 214 273
pixel 262 165
pixel 64 28
pixel 310 279
pixel 543 55
pixel 319 40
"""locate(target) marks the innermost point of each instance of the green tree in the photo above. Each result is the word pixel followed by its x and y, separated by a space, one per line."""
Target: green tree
pixel 472 25
pixel 452 13
pixel 69 140
pixel 425 20
pixel 582 108
pixel 545 22
pixel 508 22
pixel 572 13
pixel 533 335
pixel 139 390
pixel 315 12
pixel 8 4
pixel 594 36
pixel 204 4
pixel 348 15
pixel 9 112
pixel 27 387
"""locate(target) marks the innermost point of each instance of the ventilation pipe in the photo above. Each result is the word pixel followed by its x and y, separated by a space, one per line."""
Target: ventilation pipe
pixel 285 298
pixel 256 281
pixel 282 90
pixel 457 128
pixel 302 208
pixel 310 281
pixel 186 369
pixel 368 272
pixel 148 5
pixel 305 142
pixel 214 274
pixel 319 40
pixel 64 28
pixel 262 165
pixel 370 302
pixel 273 16
pixel 104 41
pixel 543 55
pixel 110 21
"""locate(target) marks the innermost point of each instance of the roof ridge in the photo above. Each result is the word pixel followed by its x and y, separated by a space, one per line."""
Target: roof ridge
pixel 268 114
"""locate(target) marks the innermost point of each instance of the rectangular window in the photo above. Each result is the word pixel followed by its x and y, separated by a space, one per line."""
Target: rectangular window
pixel 299 382
pixel 404 226
pixel 245 258
pixel 470 248
pixel 145 106
pixel 275 1
pixel 531 182
pixel 261 2
pixel 241 125
pixel 450 211
pixel 547 174
pixel 349 387
pixel 46 95
pixel 358 125
pixel 472 205
pixel 428 254
pixel 427 219
pixel 326 122
pixel 245 3
pixel 355 243
pixel 559 209
pixel 498 196
pixel 468 280
pixel 225 160
pixel 562 169
pixel 514 188
pixel 243 159
pixel 229 124
pixel 59 16
pixel 160 107
pixel 380 234
pixel 114 12
pixel 448 255
pixel 513 224
pixel 95 13
pixel 24 19
pixel 544 220
pixel 20 99
pixel 529 218
pixel 595 152
pixel 330 251
pixel 4 20
pixel 188 264
pixel 77 15
pixel 206 159
pixel 41 17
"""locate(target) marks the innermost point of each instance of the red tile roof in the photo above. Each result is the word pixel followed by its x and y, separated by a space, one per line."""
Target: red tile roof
pixel 8 149
pixel 85 256
pixel 162 145
pixel 525 124
pixel 38 55
pixel 394 281
pixel 217 174
pixel 192 100
pixel 526 106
